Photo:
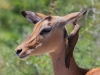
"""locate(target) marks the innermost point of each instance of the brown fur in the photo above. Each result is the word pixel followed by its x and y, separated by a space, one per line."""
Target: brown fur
pixel 60 49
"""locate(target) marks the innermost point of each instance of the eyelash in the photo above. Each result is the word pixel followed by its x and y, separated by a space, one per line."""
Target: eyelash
pixel 44 31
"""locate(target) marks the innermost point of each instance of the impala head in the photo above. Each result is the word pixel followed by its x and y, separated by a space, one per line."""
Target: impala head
pixel 47 35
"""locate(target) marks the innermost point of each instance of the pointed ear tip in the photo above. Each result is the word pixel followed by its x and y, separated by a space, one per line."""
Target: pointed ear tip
pixel 85 11
pixel 23 13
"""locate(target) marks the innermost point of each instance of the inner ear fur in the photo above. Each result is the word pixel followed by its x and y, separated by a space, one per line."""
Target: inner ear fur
pixel 33 16
pixel 74 17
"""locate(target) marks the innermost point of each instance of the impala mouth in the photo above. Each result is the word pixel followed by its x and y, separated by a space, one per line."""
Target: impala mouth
pixel 24 57
pixel 28 52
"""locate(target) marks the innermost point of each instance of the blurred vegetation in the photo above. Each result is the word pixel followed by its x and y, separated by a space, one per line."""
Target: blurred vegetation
pixel 14 28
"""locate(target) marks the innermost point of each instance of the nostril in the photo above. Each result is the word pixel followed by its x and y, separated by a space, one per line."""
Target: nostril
pixel 18 51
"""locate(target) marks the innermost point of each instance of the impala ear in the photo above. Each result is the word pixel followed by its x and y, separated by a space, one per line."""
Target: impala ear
pixel 74 17
pixel 32 16
pixel 71 18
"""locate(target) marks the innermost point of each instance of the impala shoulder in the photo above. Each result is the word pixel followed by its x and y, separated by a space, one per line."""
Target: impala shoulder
pixel 95 71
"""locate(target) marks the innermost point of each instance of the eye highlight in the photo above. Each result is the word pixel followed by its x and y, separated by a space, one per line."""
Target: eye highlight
pixel 45 31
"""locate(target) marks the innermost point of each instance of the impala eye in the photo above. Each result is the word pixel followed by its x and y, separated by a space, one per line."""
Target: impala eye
pixel 44 31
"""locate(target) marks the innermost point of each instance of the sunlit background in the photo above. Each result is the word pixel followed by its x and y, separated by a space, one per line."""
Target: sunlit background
pixel 14 28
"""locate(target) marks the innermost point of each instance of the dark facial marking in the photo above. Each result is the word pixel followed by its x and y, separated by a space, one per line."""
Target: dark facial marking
pixel 65 33
pixel 48 18
pixel 23 13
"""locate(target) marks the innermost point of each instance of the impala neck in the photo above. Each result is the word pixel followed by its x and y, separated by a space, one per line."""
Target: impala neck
pixel 58 61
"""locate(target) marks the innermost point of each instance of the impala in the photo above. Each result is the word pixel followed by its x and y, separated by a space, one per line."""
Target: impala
pixel 50 36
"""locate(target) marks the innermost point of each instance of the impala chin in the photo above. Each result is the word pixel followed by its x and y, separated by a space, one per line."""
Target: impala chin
pixel 27 54
pixel 24 57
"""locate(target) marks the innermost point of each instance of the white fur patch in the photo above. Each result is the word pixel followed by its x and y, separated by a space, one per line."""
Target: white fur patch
pixel 39 45
pixel 24 58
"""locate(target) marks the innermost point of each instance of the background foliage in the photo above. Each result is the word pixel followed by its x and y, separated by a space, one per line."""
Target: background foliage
pixel 14 28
